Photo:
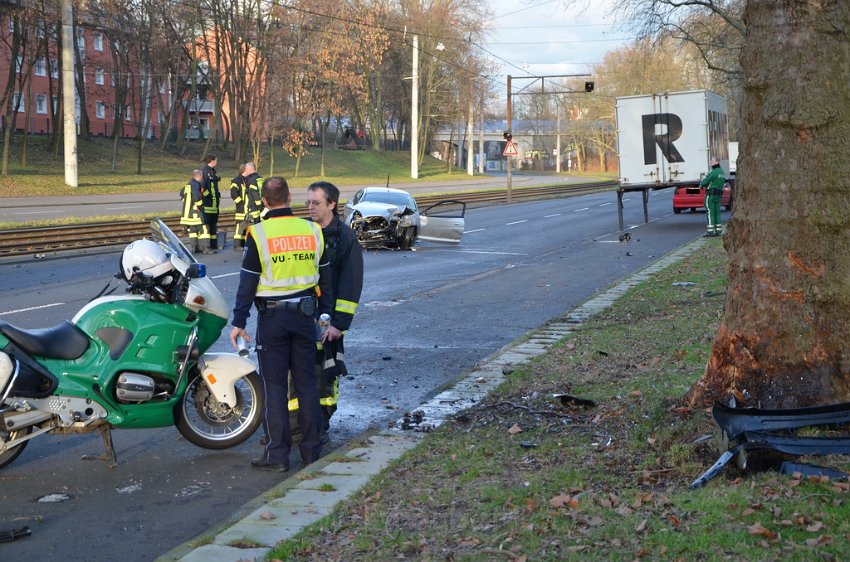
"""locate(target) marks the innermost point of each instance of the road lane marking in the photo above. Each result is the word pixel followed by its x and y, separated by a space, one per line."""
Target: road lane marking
pixel 36 212
pixel 603 204
pixel 582 209
pixel 224 275
pixel 516 222
pixel 550 216
pixel 485 252
pixel 32 308
pixel 471 231
pixel 124 207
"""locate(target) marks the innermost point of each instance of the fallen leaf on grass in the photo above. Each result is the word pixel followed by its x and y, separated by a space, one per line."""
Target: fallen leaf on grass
pixel 562 500
pixel 514 429
pixel 267 516
pixel 635 394
pixel 759 530
pixel 651 440
pixel 815 527
pixel 641 527
pixel 823 539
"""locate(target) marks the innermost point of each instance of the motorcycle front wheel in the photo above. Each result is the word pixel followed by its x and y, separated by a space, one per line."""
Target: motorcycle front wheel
pixel 208 423
pixel 12 453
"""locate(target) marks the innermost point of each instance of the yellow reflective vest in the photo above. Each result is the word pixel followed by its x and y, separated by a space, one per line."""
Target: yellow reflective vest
pixel 290 249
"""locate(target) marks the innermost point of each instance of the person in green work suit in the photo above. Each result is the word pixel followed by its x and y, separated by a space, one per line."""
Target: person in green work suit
pixel 714 181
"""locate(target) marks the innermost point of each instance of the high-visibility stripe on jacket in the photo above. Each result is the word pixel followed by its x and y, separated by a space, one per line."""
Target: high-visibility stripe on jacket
pixel 290 250
pixel 212 195
pixel 191 214
pixel 237 193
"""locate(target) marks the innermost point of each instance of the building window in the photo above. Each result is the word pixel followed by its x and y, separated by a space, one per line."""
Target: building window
pixel 98 41
pixel 54 68
pixel 100 110
pixel 41 103
pixel 18 101
pixel 127 113
pixel 39 29
pixel 55 104
pixel 98 75
pixel 19 63
pixel 40 67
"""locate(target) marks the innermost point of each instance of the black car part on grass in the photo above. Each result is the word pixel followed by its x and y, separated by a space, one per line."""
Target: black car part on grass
pixel 758 437
pixel 735 421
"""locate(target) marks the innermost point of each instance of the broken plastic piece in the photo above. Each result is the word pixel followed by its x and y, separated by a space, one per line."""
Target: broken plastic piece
pixel 567 401
pixel 13 534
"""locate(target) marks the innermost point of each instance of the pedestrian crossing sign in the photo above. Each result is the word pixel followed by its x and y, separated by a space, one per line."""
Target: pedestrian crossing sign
pixel 510 149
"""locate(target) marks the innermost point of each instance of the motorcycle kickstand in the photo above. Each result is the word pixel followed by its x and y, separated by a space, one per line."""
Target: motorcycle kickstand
pixel 109 454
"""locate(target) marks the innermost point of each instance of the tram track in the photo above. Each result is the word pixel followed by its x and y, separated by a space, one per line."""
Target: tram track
pixel 41 241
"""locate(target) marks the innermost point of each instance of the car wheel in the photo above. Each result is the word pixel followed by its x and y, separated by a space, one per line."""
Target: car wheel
pixel 729 206
pixel 676 210
pixel 407 238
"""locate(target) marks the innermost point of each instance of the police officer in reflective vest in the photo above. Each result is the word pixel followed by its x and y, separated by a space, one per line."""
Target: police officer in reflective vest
pixel 192 216
pixel 283 272
pixel 238 192
pixel 714 180
pixel 346 260
pixel 212 201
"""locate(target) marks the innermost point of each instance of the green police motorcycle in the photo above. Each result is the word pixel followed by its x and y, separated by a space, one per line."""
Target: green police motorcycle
pixel 131 361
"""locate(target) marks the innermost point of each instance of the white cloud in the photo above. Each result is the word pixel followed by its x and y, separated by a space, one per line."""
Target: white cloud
pixel 546 37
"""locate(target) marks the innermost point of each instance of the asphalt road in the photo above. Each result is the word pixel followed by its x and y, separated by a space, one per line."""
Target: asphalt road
pixel 426 316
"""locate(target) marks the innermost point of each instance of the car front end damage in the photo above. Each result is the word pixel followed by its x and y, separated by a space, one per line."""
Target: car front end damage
pixel 378 231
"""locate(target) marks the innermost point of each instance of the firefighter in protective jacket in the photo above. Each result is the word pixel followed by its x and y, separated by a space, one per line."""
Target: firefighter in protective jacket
pixel 238 192
pixel 212 201
pixel 346 260
pixel 192 216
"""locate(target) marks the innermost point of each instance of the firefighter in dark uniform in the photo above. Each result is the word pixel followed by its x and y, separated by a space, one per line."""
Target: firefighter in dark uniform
pixel 254 204
pixel 714 180
pixel 238 192
pixel 346 259
pixel 192 216
pixel 212 200
pixel 283 273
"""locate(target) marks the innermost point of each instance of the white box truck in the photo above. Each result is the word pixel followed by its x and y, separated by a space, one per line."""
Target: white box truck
pixel 666 140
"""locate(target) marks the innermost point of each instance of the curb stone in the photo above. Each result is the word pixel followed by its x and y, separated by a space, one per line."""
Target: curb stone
pixel 305 503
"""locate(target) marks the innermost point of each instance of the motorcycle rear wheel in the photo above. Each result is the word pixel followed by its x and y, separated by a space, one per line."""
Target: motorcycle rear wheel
pixel 207 423
pixel 9 455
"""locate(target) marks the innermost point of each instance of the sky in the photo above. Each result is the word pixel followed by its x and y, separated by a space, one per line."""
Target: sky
pixel 545 37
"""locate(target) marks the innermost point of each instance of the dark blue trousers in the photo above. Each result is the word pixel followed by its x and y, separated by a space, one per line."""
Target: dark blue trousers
pixel 286 343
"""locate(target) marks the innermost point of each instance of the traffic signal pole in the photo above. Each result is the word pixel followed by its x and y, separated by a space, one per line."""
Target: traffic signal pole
pixel 510 128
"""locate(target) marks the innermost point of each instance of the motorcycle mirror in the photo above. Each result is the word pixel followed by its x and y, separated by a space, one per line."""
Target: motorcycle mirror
pixel 196 271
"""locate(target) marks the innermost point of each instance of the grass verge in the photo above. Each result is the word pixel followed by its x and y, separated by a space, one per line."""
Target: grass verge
pixel 164 171
pixel 521 478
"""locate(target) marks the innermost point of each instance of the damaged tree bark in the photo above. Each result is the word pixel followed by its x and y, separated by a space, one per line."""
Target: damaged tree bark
pixel 784 336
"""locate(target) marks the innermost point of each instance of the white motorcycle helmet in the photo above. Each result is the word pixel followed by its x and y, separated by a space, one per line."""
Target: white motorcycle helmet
pixel 147 257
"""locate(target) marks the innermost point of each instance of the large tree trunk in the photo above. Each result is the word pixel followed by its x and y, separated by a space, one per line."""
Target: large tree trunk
pixel 783 339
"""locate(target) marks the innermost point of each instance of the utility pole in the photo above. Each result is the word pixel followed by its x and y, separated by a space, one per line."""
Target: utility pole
pixel 481 140
pixel 69 111
pixel 470 142
pixel 414 112
pixel 558 140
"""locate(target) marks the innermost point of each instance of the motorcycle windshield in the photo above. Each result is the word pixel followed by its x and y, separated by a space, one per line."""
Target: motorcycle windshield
pixel 163 234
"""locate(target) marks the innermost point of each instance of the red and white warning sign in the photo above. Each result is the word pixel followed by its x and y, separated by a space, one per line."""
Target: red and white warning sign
pixel 510 149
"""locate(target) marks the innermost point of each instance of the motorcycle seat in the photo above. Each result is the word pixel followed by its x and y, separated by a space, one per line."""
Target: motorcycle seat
pixel 64 341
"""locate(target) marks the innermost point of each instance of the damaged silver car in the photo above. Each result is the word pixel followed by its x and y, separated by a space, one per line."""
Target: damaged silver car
pixel 383 217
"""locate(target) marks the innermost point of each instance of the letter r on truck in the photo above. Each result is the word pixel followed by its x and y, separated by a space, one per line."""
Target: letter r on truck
pixel 673 130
